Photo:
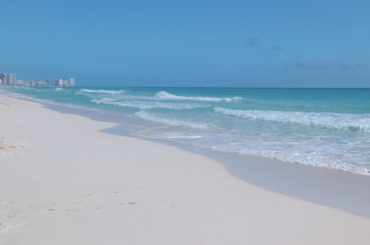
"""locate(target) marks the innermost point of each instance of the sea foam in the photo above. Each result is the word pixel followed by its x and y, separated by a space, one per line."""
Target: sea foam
pixel 303 158
pixel 142 105
pixel 326 120
pixel 102 91
pixel 167 96
pixel 171 122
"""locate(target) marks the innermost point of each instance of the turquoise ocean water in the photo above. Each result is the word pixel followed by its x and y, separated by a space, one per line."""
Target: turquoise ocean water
pixel 318 127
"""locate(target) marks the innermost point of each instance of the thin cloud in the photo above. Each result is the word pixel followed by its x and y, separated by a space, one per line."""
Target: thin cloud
pixel 253 41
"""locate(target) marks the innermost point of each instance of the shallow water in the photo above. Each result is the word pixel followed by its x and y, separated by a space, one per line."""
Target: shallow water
pixel 318 127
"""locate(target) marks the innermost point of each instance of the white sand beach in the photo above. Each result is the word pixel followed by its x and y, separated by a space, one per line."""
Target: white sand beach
pixel 64 181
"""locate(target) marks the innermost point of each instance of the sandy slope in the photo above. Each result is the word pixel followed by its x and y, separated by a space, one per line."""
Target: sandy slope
pixel 65 182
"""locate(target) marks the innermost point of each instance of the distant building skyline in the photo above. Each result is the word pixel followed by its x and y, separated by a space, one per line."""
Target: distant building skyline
pixel 9 79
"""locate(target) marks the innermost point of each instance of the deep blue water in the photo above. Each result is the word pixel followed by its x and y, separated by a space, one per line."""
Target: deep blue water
pixel 319 127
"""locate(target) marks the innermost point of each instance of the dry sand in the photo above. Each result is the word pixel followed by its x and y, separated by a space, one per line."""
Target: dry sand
pixel 66 182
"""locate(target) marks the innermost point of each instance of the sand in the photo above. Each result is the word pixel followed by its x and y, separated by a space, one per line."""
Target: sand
pixel 67 182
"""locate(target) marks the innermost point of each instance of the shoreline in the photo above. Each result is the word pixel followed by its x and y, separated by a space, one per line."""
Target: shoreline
pixel 320 185
pixel 327 186
pixel 75 182
pixel 151 121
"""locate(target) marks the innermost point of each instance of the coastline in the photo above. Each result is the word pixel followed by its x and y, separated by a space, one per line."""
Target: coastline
pixel 335 188
pixel 69 181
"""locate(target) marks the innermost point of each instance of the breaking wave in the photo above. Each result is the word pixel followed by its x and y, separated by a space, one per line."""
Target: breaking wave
pixel 167 96
pixel 142 105
pixel 326 120
pixel 171 122
pixel 102 91
pixel 315 160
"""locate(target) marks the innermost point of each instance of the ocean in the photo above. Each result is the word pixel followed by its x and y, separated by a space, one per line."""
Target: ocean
pixel 317 127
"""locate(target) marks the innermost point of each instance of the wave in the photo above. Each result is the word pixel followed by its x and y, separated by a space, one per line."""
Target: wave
pixel 171 122
pixel 185 137
pixel 315 160
pixel 142 105
pixel 102 91
pixel 324 120
pixel 167 96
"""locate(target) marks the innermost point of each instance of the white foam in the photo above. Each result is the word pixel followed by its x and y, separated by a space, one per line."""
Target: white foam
pixel 315 160
pixel 340 121
pixel 101 91
pixel 167 96
pixel 142 105
pixel 184 137
pixel 171 122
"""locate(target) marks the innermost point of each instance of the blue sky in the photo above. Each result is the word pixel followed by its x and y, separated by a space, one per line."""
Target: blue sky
pixel 189 43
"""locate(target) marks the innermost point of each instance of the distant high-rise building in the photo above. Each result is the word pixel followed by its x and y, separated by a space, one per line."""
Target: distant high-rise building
pixel 65 83
pixel 8 79
pixel 12 79
pixel 59 83
pixel 2 78
pixel 5 78
pixel 72 82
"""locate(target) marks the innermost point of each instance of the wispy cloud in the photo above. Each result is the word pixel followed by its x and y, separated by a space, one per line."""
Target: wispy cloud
pixel 253 41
